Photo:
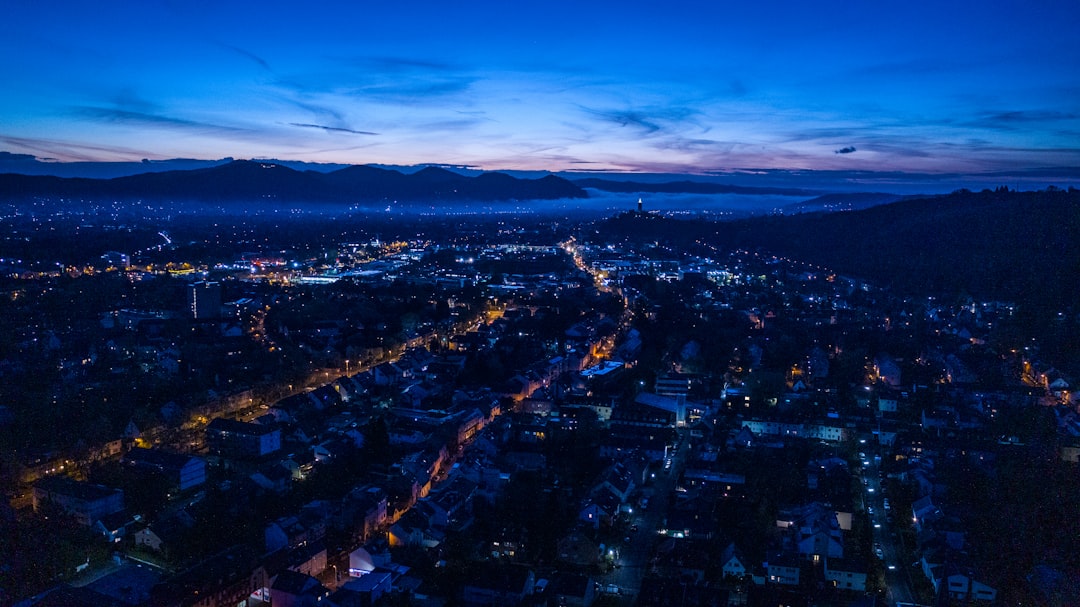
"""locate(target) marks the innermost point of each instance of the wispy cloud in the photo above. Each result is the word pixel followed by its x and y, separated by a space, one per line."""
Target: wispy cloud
pixel 147 119
pixel 331 129
pixel 382 78
pixel 247 55
pixel 415 90
pixel 403 64
pixel 1020 119
pixel 55 149
pixel 908 149
pixel 632 119
pixel 129 99
pixel 448 125
pixel 296 98
pixel 646 120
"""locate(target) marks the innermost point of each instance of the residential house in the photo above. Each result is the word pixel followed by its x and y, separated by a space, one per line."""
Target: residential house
pixel 299 465
pixel 619 481
pixel 578 549
pixel 689 520
pixel 675 384
pixel 366 559
pixel 164 535
pixel 814 531
pixel 832 432
pixel 684 559
pixel 783 569
pixel 963 584
pixel 331 449
pixel 309 558
pixel 113 527
pixel 924 512
pixel 293 589
pixel 389 374
pixel 150 537
pixel 325 397
pixel 364 510
pixel 225 579
pixel 365 590
pixel 572 590
pixel 293 531
pixel 273 478
pixel 451 504
pixel 232 438
pixel 846 574
pixel 887 370
pixel 496 586
pixel 414 529
pixel 733 563
pixel 349 388
pixel 593 514
pixel 675 406
pixel 182 471
pixel 647 444
pixel 87 502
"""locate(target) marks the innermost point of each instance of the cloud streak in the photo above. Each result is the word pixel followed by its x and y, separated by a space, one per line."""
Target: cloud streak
pixel 247 55
pixel 51 149
pixel 146 119
pixel 648 121
pixel 331 129
pixel 1020 119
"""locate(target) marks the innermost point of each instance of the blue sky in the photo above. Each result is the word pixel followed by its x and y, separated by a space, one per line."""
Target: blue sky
pixel 636 86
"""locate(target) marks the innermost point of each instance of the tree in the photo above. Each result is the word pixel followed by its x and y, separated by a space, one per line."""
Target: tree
pixel 377 441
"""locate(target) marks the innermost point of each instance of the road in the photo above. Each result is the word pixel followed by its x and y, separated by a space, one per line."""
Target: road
pixel 632 562
pixel 898 588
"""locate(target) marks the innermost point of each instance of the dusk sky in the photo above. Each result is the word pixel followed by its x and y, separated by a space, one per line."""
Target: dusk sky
pixel 659 86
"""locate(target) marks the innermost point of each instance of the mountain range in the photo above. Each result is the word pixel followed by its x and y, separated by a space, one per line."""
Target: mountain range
pixel 247 181
pixel 799 182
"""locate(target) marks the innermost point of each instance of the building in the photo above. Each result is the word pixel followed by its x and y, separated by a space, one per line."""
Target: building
pixel 674 384
pixel 182 471
pixel 825 432
pixel 783 569
pixel 85 501
pixel 204 300
pixel 846 574
pixel 735 564
pixel 227 578
pixel 232 438
pixel 491 586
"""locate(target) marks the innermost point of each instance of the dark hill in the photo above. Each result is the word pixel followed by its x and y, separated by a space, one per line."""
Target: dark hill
pixel 1003 245
pixel 842 202
pixel 252 181
pixel 1010 246
pixel 438 175
pixel 239 180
